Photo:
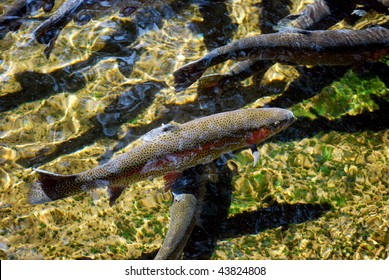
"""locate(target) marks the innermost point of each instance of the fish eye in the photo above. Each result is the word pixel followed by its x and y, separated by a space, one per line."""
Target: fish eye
pixel 166 127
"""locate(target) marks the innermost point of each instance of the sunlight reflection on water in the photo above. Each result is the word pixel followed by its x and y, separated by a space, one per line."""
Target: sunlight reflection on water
pixel 109 82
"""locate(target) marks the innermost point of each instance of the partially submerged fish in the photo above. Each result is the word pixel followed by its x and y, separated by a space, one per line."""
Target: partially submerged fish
pixel 188 194
pixel 11 20
pixel 183 215
pixel 322 47
pixel 323 11
pixel 329 10
pixel 312 14
pixel 182 221
pixel 168 151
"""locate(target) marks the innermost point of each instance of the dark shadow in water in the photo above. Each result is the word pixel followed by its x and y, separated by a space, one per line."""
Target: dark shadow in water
pixel 278 215
pixel 36 86
pixel 310 82
pixel 213 224
pixel 367 121
pixel 123 108
pixel 271 13
pixel 216 26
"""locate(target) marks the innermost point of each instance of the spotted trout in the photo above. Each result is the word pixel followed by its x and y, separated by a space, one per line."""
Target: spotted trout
pixel 302 47
pixel 188 194
pixel 182 220
pixel 168 150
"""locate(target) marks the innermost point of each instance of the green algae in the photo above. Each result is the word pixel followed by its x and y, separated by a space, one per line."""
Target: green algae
pixel 345 195
pixel 351 95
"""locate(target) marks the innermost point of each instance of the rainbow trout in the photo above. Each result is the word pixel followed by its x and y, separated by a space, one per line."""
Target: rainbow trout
pixel 188 194
pixel 182 220
pixel 321 47
pixel 168 150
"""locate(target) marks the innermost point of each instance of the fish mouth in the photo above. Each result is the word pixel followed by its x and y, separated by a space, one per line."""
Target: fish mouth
pixel 290 118
pixel 280 125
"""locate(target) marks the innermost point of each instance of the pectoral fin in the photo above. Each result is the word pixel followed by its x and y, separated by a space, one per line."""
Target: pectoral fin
pixel 170 178
pixel 114 192
pixel 157 132
pixel 255 153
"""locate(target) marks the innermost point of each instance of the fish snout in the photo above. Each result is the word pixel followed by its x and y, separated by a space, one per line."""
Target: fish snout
pixel 290 118
pixel 285 119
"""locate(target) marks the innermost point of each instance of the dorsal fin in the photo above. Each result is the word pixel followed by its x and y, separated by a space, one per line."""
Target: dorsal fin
pixel 291 29
pixel 114 192
pixel 156 132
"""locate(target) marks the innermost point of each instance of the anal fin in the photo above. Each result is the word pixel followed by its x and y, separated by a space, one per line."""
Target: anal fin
pixel 170 178
pixel 114 192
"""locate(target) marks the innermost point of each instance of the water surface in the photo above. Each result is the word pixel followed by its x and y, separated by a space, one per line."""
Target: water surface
pixel 319 191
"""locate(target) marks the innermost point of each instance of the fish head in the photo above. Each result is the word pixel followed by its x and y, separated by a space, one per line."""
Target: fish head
pixel 266 122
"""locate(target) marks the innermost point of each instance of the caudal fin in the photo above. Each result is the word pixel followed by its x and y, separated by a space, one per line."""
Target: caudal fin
pixel 51 186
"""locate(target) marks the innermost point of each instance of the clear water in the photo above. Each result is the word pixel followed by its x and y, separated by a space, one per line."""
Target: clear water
pixel 320 190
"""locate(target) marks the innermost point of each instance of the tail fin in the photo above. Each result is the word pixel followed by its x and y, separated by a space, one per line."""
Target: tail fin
pixel 51 186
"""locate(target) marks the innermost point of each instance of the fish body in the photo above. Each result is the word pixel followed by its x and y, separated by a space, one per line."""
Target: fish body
pixel 188 193
pixel 168 150
pixel 321 47
pixel 182 220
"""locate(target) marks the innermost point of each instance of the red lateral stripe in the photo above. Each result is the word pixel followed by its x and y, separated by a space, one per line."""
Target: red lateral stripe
pixel 257 136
